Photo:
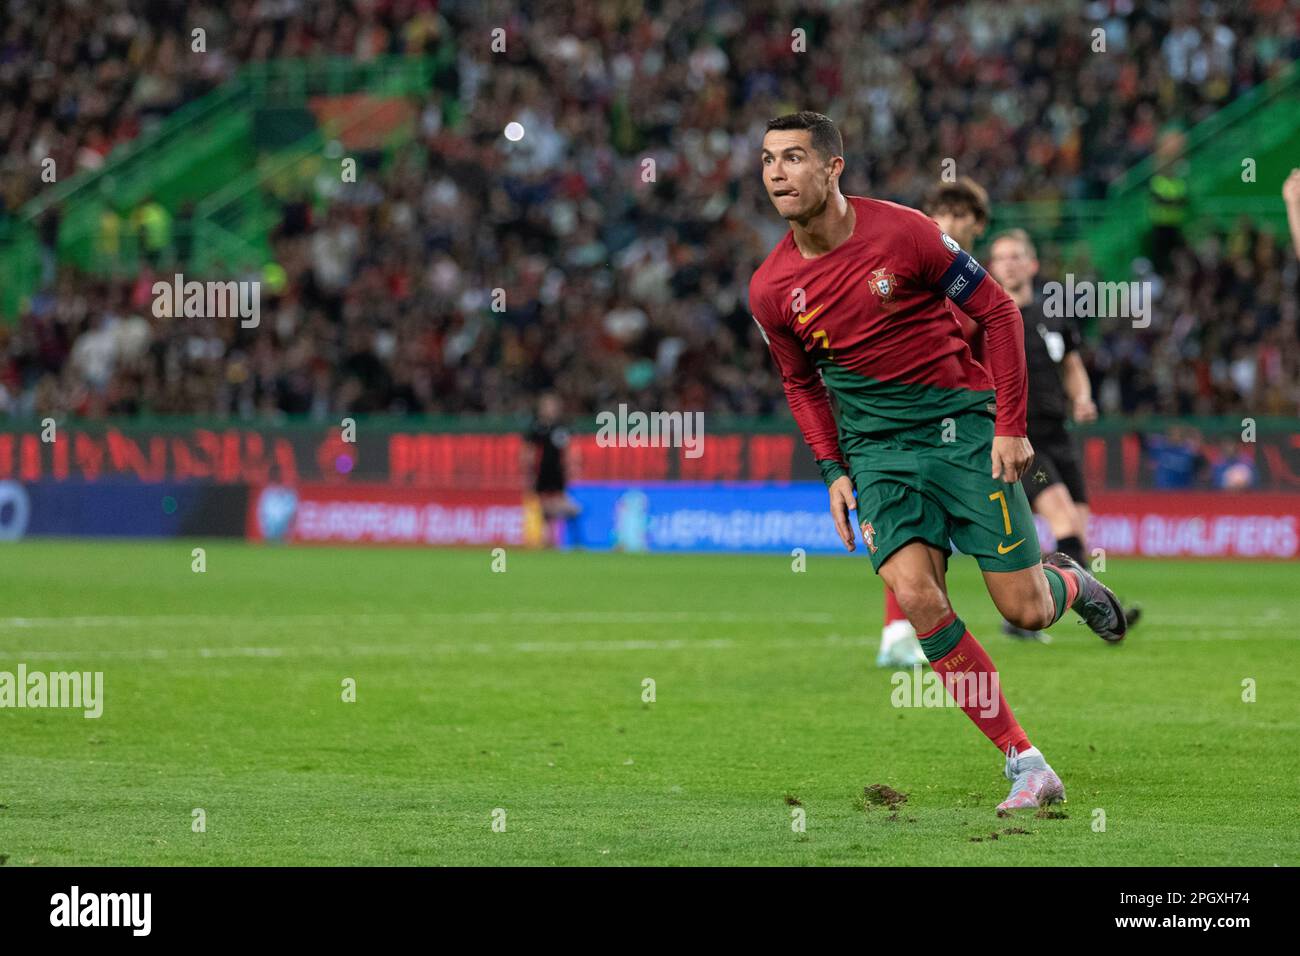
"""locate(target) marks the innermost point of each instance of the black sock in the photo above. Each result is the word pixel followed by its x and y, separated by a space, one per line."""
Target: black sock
pixel 1073 547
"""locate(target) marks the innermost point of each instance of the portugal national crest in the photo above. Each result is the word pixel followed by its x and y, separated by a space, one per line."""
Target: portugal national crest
pixel 869 533
pixel 884 284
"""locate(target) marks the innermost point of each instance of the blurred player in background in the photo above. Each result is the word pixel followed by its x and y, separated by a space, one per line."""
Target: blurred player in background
pixel 1291 197
pixel 961 210
pixel 546 454
pixel 1058 389
pixel 853 302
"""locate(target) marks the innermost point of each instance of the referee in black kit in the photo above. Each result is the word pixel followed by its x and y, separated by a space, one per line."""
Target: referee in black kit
pixel 1058 387
pixel 546 456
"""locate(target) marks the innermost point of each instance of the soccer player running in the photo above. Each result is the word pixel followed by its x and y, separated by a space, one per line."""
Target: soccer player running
pixel 935 446
pixel 1058 387
pixel 961 211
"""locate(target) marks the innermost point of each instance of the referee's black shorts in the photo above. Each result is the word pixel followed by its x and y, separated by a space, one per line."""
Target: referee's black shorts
pixel 1056 461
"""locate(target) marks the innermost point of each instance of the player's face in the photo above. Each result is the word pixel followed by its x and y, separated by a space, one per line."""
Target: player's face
pixel 549 408
pixel 798 180
pixel 1011 264
pixel 962 226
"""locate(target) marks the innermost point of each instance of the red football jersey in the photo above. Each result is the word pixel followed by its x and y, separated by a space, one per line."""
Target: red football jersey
pixel 874 316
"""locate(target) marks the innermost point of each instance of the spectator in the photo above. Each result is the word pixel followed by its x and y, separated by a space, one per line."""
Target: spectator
pixel 470 273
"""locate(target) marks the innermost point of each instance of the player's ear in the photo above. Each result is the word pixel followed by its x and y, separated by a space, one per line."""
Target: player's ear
pixel 836 168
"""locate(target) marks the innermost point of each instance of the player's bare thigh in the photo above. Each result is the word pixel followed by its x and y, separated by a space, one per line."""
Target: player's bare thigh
pixel 1055 504
pixel 916 574
pixel 1022 597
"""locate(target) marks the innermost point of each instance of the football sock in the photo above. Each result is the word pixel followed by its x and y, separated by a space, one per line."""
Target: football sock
pixel 1073 547
pixel 893 612
pixel 1064 586
pixel 952 650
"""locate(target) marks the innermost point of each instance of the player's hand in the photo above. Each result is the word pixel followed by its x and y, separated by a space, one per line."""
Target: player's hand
pixel 842 502
pixel 1011 457
pixel 1291 189
pixel 1085 410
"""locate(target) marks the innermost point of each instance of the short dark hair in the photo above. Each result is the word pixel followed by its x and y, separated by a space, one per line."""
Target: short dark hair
pixel 965 195
pixel 826 138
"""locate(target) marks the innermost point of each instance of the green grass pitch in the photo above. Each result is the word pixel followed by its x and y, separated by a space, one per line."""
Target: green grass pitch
pixel 523 691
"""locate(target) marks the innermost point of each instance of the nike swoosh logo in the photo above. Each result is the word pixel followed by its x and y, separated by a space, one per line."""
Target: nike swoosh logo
pixel 806 316
pixel 1002 549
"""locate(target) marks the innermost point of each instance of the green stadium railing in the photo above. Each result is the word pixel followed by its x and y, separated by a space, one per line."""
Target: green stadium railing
pixel 195 152
pixel 1262 125
pixel 233 224
pixel 1253 111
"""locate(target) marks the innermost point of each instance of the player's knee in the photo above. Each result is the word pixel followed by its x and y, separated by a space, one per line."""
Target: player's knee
pixel 923 602
pixel 1032 619
pixel 1033 613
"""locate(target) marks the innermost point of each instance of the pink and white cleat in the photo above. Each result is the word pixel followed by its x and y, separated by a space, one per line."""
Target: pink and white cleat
pixel 1033 783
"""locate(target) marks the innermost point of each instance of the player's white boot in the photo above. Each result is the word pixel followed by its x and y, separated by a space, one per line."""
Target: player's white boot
pixel 1033 783
pixel 899 646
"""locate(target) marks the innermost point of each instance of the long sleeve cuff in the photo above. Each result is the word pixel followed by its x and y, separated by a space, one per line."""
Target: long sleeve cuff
pixel 831 470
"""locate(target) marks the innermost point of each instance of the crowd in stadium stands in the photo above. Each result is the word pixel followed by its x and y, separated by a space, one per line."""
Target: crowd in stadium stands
pixel 614 288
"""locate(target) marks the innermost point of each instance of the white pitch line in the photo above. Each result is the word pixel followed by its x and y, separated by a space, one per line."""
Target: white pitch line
pixel 434 648
pixel 389 650
pixel 523 617
pixel 518 617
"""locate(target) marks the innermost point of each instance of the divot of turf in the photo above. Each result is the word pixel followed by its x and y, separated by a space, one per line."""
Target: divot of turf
pixel 880 795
